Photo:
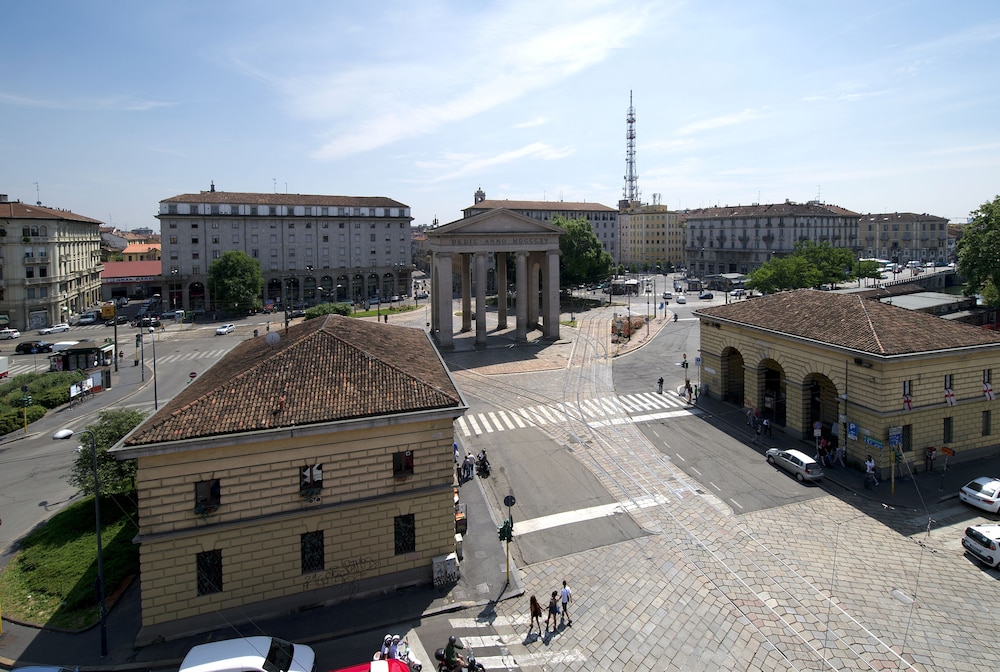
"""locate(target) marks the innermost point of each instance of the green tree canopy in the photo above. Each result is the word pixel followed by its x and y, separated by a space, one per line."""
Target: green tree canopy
pixel 867 269
pixel 979 253
pixel 236 282
pixel 117 476
pixel 833 263
pixel 582 258
pixel 792 272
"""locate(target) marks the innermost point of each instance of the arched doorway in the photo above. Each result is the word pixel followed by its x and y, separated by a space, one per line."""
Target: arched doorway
pixel 820 403
pixel 732 376
pixel 773 393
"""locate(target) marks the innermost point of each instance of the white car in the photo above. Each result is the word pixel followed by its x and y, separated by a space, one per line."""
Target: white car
pixel 795 462
pixel 983 541
pixel 225 329
pixel 246 654
pixel 7 334
pixel 983 493
pixel 681 299
pixel 54 329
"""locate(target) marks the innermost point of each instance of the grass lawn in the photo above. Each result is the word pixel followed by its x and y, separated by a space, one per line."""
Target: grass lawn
pixel 52 579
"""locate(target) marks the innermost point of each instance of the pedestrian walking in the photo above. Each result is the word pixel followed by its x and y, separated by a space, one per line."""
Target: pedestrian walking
pixel 659 385
pixel 553 611
pixel 870 470
pixel 470 465
pixel 565 595
pixel 534 614
pixel 756 433
pixel 767 427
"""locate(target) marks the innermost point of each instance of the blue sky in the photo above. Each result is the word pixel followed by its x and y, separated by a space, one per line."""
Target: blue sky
pixel 874 106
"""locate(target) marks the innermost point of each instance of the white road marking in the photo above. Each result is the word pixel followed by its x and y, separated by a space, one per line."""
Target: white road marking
pixel 590 513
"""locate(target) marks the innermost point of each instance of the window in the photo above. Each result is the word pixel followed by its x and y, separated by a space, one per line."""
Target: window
pixel 402 464
pixel 987 376
pixel 946 434
pixel 216 254
pixel 215 240
pixel 255 253
pixel 173 240
pixel 173 255
pixel 196 255
pixel 207 495
pixel 947 381
pixel 253 239
pixel 312 551
pixel 209 572
pixel 29 272
pixel 236 239
pixel 194 240
pixel 987 424
pixel 405 534
pixel 311 477
pixel 196 270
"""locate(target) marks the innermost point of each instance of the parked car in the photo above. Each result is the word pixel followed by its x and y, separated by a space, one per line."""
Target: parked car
pixel 795 462
pixel 983 541
pixel 145 322
pixel 53 329
pixel 739 291
pixel 706 296
pixel 667 295
pixel 421 295
pixel 7 334
pixel 681 299
pixel 88 318
pixel 250 654
pixel 26 347
pixel 983 493
pixel 121 319
pixel 225 329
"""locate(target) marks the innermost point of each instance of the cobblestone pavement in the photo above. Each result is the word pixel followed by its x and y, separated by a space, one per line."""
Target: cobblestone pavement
pixel 832 583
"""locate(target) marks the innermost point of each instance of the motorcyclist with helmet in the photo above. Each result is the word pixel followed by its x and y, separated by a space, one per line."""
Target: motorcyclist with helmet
pixel 453 660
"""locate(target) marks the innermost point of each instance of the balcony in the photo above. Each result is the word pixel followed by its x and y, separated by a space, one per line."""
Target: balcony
pixel 43 259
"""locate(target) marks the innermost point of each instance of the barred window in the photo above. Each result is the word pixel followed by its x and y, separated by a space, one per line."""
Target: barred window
pixel 209 572
pixel 312 551
pixel 405 534
pixel 402 463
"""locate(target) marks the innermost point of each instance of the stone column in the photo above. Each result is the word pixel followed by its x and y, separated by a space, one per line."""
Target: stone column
pixel 433 276
pixel 441 297
pixel 521 310
pixel 533 265
pixel 550 289
pixel 480 298
pixel 501 262
pixel 466 293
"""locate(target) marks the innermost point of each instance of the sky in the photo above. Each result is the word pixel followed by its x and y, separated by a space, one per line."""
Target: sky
pixel 109 107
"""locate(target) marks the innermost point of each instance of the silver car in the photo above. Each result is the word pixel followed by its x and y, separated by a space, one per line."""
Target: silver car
pixel 795 462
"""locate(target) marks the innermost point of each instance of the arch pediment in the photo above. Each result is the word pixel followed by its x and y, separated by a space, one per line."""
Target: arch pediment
pixel 496 231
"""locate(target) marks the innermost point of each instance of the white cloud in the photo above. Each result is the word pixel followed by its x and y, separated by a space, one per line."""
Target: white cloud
pixel 537 121
pixel 461 166
pixel 722 121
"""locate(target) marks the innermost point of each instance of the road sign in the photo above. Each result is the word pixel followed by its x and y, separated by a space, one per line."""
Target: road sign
pixel 947 451
pixel 192 375
pixel 509 500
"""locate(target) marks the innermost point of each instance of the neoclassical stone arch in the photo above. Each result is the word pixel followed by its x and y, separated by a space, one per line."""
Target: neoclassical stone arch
pixel 465 247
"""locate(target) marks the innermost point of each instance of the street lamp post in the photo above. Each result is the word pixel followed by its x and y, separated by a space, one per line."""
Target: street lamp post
pixel 65 434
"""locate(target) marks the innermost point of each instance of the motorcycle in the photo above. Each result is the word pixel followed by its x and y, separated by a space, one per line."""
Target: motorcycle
pixel 483 468
pixel 403 653
pixel 472 665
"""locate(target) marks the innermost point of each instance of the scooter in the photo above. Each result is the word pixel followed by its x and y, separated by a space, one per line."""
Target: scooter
pixel 472 665
pixel 483 465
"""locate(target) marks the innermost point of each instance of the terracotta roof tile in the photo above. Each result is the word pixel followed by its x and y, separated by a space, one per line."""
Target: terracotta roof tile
pixel 324 370
pixel 554 206
pixel 852 322
pixel 243 198
pixel 18 210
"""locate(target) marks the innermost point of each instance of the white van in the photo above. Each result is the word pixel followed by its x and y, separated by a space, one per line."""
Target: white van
pixel 913 264
pixel 62 345
pixel 250 654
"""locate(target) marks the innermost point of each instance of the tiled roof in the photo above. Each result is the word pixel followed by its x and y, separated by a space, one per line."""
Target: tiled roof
pixel 140 248
pixel 242 198
pixel 18 210
pixel 131 269
pixel 553 206
pixel 786 209
pixel 323 370
pixel 852 322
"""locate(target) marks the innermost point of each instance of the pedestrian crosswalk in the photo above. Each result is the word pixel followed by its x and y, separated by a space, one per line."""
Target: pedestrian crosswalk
pixel 27 363
pixel 492 641
pixel 600 412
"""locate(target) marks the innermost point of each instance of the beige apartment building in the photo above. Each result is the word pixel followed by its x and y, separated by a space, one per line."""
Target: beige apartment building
pixel 650 236
pixel 305 467
pixel 311 248
pixel 50 264
pixel 905 236
pixel 876 378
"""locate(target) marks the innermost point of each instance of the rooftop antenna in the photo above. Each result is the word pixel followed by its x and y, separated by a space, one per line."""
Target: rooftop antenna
pixel 631 190
pixel 274 180
pixel 38 196
pixel 819 193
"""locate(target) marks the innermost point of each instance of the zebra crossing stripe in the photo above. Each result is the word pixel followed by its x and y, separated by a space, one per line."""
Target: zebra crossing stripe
pixel 474 424
pixel 506 420
pixel 464 427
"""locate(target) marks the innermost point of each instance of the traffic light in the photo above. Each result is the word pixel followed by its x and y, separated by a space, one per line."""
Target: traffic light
pixel 506 531
pixel 138 340
pixel 27 401
pixel 684 363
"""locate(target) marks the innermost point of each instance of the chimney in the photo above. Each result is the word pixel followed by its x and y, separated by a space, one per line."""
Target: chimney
pixel 3 198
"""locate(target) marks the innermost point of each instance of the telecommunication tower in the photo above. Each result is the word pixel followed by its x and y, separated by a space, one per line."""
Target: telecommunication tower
pixel 631 191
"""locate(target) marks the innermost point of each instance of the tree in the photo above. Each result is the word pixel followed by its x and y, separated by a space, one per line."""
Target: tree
pixel 793 272
pixel 867 269
pixel 117 476
pixel 582 258
pixel 236 282
pixel 979 253
pixel 834 264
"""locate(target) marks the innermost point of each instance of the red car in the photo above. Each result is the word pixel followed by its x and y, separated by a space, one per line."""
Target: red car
pixel 376 666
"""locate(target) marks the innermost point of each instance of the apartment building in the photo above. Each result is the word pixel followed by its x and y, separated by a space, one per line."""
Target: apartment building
pixel 739 239
pixel 50 264
pixel 311 248
pixel 650 236
pixel 905 236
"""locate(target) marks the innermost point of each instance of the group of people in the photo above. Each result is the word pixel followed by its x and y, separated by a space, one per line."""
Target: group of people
pixel 558 610
pixel 827 454
pixel 394 648
pixel 761 426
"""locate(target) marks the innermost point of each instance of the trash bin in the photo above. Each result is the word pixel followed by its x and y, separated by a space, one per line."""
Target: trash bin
pixel 461 520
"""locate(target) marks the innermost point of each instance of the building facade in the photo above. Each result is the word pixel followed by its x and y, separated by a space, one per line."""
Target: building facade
pixel 302 469
pixel 602 219
pixel 905 236
pixel 650 236
pixel 875 378
pixel 739 239
pixel 141 252
pixel 311 248
pixel 50 264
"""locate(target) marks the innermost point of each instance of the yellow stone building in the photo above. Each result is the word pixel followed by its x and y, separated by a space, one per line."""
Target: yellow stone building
pixel 303 468
pixel 880 379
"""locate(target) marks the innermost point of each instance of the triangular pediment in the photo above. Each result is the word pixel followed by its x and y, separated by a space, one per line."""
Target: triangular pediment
pixel 496 222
